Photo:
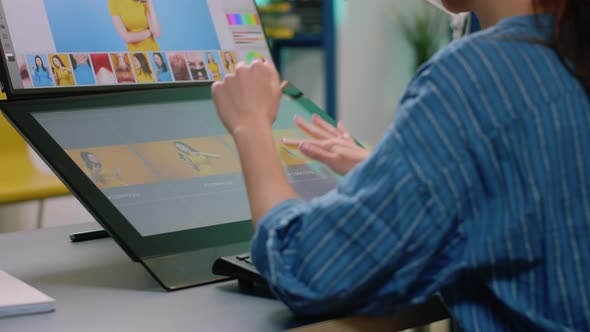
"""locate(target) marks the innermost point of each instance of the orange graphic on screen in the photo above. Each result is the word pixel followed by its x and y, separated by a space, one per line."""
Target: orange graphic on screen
pixel 289 157
pixel 112 166
pixel 189 158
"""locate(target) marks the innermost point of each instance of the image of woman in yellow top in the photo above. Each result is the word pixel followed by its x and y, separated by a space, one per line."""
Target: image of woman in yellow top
pixel 229 62
pixel 143 72
pixel 213 67
pixel 137 23
pixel 63 75
pixel 197 160
pixel 98 174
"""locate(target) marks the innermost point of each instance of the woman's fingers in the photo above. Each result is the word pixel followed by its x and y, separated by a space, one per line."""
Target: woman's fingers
pixel 341 158
pixel 325 144
pixel 310 129
pixel 319 153
pixel 342 130
pixel 320 129
pixel 291 143
pixel 324 125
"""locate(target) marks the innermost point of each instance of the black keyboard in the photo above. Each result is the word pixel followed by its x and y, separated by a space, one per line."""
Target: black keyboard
pixel 241 268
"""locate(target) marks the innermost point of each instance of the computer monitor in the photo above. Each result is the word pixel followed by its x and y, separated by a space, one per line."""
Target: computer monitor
pixel 155 167
pixel 159 172
pixel 59 46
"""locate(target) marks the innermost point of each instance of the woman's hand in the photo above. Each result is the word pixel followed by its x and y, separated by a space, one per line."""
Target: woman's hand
pixel 247 102
pixel 249 98
pixel 334 147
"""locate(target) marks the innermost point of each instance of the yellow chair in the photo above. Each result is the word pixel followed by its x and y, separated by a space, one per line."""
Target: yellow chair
pixel 20 180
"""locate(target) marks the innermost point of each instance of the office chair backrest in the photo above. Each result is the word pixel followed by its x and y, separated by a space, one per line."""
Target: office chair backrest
pixel 10 140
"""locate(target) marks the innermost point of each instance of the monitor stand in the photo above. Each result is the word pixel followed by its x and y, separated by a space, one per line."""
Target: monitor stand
pixel 89 235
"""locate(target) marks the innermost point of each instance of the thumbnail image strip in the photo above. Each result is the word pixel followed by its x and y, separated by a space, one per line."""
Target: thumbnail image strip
pixel 122 66
pixel 62 70
pixel 40 70
pixel 197 67
pixel 23 70
pixel 213 61
pixel 112 166
pixel 82 68
pixel 229 59
pixel 103 70
pixel 161 67
pixel 177 62
pixel 189 158
pixel 142 68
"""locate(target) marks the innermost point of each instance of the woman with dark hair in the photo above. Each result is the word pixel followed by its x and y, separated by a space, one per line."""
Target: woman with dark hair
pixel 478 194
pixel 63 75
pixel 197 160
pixel 98 174
pixel 82 69
pixel 213 67
pixel 143 72
pixel 41 75
pixel 162 72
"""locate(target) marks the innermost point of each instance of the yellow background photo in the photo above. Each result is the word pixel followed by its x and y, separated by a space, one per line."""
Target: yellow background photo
pixel 166 159
pixel 133 169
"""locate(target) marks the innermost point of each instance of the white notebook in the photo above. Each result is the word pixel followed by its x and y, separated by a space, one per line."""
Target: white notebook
pixel 19 298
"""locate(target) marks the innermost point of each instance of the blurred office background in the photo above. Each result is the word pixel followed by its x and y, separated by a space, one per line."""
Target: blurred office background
pixel 352 57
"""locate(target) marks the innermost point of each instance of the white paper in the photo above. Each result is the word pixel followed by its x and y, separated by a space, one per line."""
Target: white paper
pixel 19 298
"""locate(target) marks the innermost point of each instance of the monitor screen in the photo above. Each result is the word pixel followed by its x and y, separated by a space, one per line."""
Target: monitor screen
pixel 169 167
pixel 67 45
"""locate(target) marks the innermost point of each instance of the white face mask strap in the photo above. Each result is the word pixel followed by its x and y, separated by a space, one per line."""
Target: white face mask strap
pixel 459 22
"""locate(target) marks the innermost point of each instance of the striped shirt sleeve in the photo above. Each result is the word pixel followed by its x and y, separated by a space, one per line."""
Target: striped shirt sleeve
pixel 390 236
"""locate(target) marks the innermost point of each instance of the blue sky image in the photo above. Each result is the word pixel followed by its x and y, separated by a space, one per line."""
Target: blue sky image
pixel 86 26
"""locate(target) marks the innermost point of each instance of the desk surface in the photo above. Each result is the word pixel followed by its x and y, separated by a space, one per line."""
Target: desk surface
pixel 98 288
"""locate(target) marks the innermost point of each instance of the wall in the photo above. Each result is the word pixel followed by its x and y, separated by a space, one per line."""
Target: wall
pixel 374 66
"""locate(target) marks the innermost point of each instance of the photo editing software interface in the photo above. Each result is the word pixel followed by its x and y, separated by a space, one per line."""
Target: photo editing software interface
pixel 172 167
pixel 52 44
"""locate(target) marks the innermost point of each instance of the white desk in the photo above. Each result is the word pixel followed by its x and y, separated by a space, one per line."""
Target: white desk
pixel 98 288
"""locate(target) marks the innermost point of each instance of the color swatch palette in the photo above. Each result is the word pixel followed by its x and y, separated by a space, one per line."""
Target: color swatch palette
pixel 243 19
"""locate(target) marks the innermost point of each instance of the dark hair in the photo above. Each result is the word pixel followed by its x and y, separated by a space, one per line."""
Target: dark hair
pixel 227 63
pixel 185 145
pixel 571 35
pixel 58 59
pixel 212 57
pixel 164 66
pixel 42 64
pixel 89 163
pixel 73 61
pixel 143 63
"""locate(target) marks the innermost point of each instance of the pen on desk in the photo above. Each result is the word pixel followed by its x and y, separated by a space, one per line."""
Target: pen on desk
pixel 88 236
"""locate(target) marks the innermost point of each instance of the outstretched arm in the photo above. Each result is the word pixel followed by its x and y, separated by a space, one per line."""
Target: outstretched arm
pixel 130 37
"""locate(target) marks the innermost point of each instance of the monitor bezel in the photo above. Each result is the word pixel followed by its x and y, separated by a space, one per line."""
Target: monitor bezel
pixel 33 93
pixel 20 114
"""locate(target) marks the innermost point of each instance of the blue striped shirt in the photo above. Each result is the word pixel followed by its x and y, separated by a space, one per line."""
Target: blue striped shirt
pixel 479 192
